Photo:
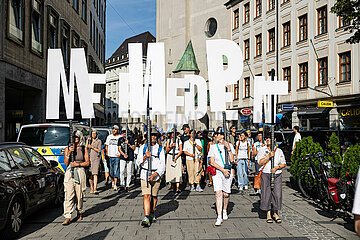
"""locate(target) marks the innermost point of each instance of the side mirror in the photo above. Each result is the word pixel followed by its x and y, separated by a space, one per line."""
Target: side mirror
pixel 53 163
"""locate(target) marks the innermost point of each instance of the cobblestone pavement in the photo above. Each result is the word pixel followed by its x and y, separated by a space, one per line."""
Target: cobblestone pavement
pixel 112 215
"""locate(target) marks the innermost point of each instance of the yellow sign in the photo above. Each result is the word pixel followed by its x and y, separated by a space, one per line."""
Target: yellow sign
pixel 325 104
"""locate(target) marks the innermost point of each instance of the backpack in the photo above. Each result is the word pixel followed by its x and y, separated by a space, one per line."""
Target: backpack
pixel 145 148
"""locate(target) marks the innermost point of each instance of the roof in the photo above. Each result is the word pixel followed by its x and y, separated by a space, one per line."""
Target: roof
pixel 46 124
pixel 188 60
pixel 11 144
pixel 232 2
pixel 121 53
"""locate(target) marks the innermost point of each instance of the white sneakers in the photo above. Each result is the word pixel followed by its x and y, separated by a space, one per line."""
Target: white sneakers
pixel 225 216
pixel 246 187
pixel 241 188
pixel 218 221
pixel 115 188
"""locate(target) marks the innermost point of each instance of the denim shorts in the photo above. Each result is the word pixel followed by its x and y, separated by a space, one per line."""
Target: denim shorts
pixel 106 164
pixel 114 167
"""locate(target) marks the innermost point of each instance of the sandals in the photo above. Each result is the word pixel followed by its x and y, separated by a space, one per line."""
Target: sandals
pixel 278 220
pixel 66 222
pixel 269 220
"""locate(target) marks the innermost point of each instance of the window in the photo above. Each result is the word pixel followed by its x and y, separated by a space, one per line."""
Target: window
pixel 65 38
pixel 323 71
pixel 236 91
pixel 272 40
pixel 16 19
pixel 35 157
pixel 76 5
pixel 303 27
pixel 75 41
pixel 83 10
pixel 287 35
pixel 271 4
pixel 246 13
pixel 236 18
pixel 52 30
pixel 91 28
pixel 345 66
pixel 322 20
pixel 211 27
pixel 258 45
pixel 246 49
pixel 258 8
pixel 19 157
pixel 287 76
pixel 4 162
pixel 36 26
pixel 247 87
pixel 343 21
pixel 303 75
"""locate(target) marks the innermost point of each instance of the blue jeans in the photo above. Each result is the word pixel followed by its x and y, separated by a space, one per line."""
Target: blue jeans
pixel 242 168
pixel 114 167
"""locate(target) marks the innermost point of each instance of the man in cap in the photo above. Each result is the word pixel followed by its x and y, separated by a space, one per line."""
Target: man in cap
pixel 112 151
pixel 150 185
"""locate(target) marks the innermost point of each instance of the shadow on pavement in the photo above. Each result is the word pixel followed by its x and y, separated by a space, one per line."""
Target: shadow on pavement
pixel 256 208
pixel 167 207
pixel 99 235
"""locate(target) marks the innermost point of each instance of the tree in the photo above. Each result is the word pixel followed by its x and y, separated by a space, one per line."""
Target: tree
pixel 349 10
pixel 303 147
pixel 351 161
pixel 334 147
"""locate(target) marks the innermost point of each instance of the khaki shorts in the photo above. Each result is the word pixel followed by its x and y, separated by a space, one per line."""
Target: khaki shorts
pixel 151 189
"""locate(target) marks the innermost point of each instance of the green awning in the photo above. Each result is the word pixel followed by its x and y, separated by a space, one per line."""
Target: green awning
pixel 187 61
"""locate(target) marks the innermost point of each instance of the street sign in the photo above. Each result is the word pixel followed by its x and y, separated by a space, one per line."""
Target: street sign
pixel 325 104
pixel 285 107
pixel 246 111
pixel 244 119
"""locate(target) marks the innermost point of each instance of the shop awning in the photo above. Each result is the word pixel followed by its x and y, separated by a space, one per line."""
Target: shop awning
pixel 313 111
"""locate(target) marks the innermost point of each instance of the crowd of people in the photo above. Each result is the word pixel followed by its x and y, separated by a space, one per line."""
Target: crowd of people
pixel 188 159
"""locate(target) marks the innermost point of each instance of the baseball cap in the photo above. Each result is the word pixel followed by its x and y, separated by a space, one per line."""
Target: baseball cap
pixel 115 127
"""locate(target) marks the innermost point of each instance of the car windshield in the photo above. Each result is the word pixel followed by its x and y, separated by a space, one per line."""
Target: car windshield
pixel 45 136
pixel 102 134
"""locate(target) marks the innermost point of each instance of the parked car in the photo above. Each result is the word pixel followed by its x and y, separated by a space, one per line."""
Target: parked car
pixel 27 182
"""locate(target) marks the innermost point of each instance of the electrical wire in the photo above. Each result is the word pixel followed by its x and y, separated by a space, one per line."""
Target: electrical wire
pixel 121 17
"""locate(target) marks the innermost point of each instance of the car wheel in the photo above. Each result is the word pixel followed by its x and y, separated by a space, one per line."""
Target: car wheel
pixel 60 195
pixel 15 219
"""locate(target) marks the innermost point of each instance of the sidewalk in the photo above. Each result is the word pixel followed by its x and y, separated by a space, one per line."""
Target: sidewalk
pixel 111 215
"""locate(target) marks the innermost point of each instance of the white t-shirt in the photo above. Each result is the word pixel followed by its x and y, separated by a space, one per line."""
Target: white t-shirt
pixel 214 152
pixel 258 145
pixel 188 147
pixel 157 162
pixel 356 205
pixel 297 138
pixel 112 143
pixel 243 149
pixel 278 159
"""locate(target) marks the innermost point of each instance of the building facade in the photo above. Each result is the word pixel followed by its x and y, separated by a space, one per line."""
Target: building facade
pixel 116 64
pixel 306 45
pixel 184 26
pixel 27 30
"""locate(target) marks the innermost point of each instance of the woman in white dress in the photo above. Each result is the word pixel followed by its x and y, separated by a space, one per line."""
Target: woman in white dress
pixel 173 172
pixel 223 178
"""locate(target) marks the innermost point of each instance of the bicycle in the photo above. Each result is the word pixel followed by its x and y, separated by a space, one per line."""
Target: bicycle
pixel 317 183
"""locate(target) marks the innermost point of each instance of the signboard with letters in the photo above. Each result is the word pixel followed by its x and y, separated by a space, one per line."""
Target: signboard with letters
pixel 325 104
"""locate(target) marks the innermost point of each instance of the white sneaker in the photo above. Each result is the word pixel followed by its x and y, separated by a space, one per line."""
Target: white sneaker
pixel 218 221
pixel 246 187
pixel 225 216
pixel 112 184
pixel 115 188
pixel 241 188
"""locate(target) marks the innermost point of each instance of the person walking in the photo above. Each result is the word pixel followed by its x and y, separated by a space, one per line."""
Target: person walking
pixel 297 137
pixel 271 197
pixel 126 147
pixel 75 177
pixel 242 157
pixel 112 151
pixel 256 148
pixel 356 205
pixel 213 141
pixel 94 146
pixel 173 173
pixel 233 138
pixel 251 143
pixel 150 185
pixel 192 150
pixel 223 178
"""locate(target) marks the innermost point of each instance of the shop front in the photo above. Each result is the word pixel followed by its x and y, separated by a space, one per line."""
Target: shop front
pixel 349 117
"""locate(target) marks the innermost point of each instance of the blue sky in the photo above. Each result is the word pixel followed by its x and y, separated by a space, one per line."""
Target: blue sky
pixel 140 15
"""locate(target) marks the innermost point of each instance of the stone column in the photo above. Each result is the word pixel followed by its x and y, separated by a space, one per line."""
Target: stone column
pixel 295 119
pixel 333 118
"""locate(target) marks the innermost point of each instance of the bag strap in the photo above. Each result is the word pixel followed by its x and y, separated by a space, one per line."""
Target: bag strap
pixel 262 168
pixel 222 159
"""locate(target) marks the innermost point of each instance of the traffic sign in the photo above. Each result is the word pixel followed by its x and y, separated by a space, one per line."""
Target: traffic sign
pixel 285 107
pixel 246 111
pixel 325 104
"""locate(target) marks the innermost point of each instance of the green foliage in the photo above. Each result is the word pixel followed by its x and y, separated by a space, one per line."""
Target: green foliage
pixel 303 147
pixel 334 147
pixel 350 11
pixel 351 161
